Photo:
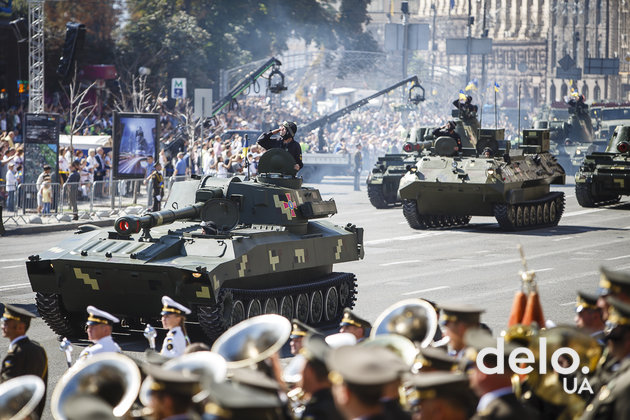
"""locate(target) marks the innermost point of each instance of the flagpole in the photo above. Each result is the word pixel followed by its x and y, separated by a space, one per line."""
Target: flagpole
pixel 495 107
pixel 518 133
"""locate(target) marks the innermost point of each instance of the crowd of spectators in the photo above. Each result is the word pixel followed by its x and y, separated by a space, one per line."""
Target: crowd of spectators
pixel 380 129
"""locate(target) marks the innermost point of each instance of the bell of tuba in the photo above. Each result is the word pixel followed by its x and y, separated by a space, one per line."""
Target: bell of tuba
pixel 252 340
pixel 415 319
pixel 110 376
pixel 20 396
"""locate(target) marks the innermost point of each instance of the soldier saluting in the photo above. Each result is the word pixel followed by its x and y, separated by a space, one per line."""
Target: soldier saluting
pixel 24 357
pixel 287 131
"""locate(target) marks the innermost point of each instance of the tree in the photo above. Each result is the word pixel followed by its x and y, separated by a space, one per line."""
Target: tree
pixel 79 109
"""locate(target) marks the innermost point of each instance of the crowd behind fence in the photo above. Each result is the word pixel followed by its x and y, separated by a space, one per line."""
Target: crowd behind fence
pixel 93 198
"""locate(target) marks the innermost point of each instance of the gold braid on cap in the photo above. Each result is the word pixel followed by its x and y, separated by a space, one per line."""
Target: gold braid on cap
pixel 171 309
pixel 615 318
pixel 449 318
pixel 584 304
pixel 347 320
pixel 93 318
pixel 7 315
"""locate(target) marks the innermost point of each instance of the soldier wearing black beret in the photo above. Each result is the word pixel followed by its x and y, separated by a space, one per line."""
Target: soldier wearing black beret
pixel 24 357
pixel 353 324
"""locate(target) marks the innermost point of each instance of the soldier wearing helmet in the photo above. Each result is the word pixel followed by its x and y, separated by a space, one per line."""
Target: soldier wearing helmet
pixel 287 131
pixel 448 130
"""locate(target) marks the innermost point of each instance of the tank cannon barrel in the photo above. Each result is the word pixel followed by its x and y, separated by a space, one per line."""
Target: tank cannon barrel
pixel 418 146
pixel 128 225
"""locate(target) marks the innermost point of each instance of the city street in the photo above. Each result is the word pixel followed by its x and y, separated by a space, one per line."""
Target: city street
pixel 478 264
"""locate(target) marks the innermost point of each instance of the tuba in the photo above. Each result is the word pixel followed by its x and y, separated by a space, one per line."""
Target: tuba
pixel 415 319
pixel 20 396
pixel 110 376
pixel 252 340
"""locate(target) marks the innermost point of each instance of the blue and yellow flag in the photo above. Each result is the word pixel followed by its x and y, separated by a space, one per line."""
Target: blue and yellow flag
pixel 462 95
pixel 472 85
pixel 496 86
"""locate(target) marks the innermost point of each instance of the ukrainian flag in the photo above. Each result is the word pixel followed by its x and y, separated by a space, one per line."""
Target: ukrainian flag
pixel 496 86
pixel 462 95
pixel 472 85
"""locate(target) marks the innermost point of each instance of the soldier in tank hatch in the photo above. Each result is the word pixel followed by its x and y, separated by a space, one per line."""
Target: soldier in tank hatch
pixel 287 131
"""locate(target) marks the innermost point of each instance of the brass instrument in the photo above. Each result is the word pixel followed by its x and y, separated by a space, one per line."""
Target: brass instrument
pixel 252 340
pixel 398 344
pixel 110 376
pixel 415 319
pixel 20 396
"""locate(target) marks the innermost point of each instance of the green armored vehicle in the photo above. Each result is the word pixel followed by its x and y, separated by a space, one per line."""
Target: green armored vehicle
pixel 605 176
pixel 382 182
pixel 228 249
pixel 445 188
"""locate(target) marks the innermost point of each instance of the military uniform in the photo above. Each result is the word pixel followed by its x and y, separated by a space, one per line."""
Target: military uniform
pixel 507 407
pixel 175 383
pixel 611 401
pixel 352 319
pixel 468 314
pixel 24 357
pixel 293 147
pixel 176 340
pixel 443 388
pixel 321 405
pixel 431 359
pixel 358 165
pixel 105 344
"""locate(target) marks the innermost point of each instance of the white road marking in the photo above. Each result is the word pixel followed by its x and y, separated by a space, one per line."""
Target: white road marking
pixel 13 260
pixel 404 238
pixel 564 238
pixel 618 258
pixel 12 266
pixel 14 286
pixel 399 262
pixel 581 212
pixel 426 290
pixel 543 269
pixel 568 303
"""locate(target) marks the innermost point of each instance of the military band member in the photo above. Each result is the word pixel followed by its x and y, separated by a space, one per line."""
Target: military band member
pixel 496 396
pixel 99 329
pixel 588 316
pixel 315 381
pixel 173 318
pixel 171 393
pixel 456 320
pixel 433 359
pixel 351 323
pixel 440 395
pixel 24 357
pixel 611 401
pixel 358 375
pixel 615 284
pixel 299 330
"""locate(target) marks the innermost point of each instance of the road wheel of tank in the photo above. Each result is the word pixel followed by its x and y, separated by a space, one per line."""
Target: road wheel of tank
pixel 286 307
pixel 254 308
pixel 302 307
pixel 553 212
pixel 519 216
pixel 546 213
pixel 584 195
pixel 331 304
pixel 526 214
pixel 465 220
pixel 504 213
pixel 410 211
pixel 238 312
pixel 316 308
pixel 376 196
pixel 50 308
pixel 270 306
pixel 540 219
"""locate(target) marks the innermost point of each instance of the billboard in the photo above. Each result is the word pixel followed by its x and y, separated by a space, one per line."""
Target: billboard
pixel 41 145
pixel 136 136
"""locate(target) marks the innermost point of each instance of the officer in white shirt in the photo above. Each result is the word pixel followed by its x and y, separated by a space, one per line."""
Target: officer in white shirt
pixel 99 329
pixel 173 317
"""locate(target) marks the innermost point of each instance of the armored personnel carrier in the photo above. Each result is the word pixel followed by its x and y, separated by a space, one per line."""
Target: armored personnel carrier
pixel 445 188
pixel 605 176
pixel 228 249
pixel 383 180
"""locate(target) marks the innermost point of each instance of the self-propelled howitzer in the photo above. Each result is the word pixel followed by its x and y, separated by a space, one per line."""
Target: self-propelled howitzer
pixel 227 249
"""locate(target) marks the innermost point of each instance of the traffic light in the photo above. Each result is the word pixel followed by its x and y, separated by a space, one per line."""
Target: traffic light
pixel 75 35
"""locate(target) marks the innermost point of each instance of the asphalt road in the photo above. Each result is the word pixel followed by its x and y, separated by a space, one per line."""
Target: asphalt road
pixel 478 264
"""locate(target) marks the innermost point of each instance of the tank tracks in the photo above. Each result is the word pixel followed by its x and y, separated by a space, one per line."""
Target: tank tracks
pixel 586 198
pixel 318 304
pixel 377 198
pixel 533 214
pixel 428 221
pixel 51 310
